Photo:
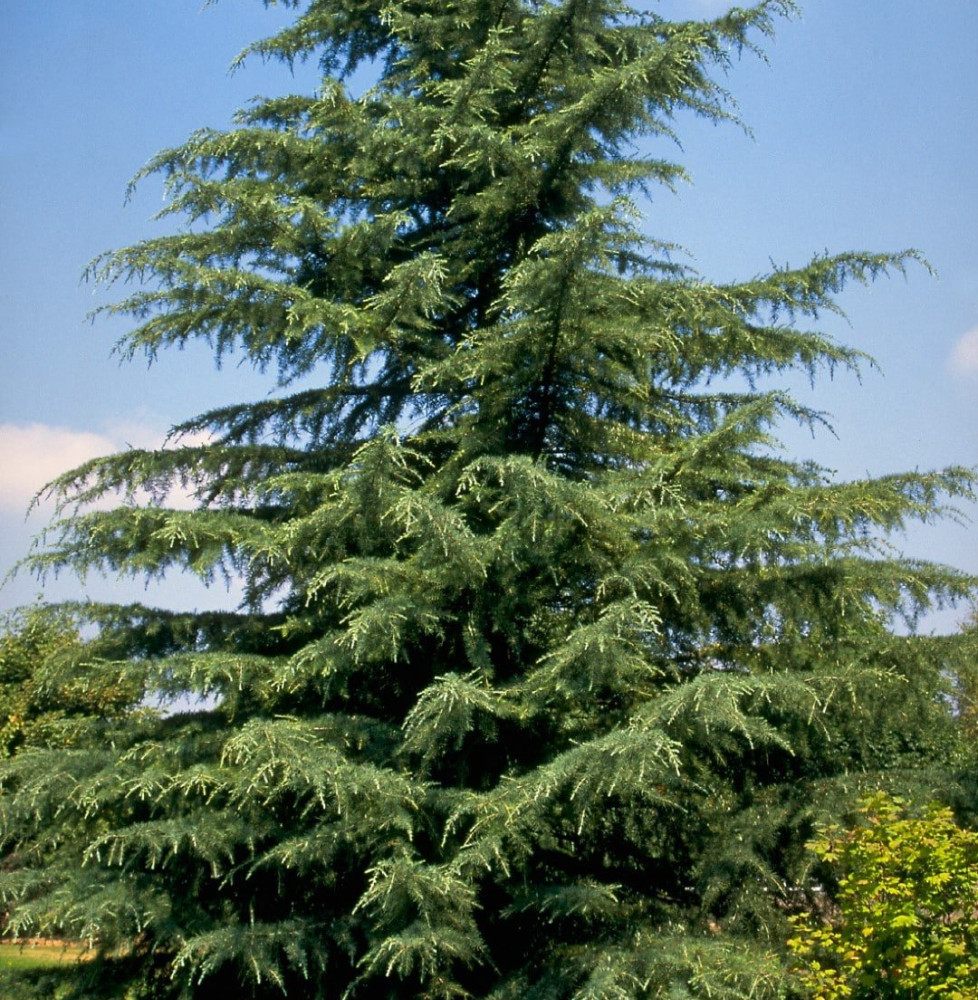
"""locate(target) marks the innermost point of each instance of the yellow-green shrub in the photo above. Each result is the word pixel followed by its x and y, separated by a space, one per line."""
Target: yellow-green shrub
pixel 904 922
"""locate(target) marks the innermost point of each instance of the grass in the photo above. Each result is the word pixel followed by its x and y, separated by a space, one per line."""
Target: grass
pixel 38 956
pixel 50 970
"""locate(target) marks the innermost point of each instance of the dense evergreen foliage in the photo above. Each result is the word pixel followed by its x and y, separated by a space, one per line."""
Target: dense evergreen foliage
pixel 548 659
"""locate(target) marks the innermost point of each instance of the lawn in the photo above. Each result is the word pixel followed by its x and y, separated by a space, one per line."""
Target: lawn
pixel 38 956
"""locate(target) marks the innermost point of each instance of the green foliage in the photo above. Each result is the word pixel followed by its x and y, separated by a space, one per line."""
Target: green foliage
pixel 962 670
pixel 48 691
pixel 548 658
pixel 904 921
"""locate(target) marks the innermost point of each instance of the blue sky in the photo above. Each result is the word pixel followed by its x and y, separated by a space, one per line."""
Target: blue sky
pixel 865 136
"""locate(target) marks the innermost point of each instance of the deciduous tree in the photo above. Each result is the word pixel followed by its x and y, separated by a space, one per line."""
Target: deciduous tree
pixel 49 691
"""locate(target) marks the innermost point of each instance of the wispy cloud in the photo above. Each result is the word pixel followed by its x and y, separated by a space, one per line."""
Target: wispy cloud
pixel 964 356
pixel 31 455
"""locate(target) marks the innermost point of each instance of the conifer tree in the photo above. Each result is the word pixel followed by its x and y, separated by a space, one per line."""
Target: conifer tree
pixel 548 658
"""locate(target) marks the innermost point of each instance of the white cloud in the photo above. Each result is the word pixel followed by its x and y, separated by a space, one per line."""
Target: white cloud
pixel 32 455
pixel 964 357
pixel 133 434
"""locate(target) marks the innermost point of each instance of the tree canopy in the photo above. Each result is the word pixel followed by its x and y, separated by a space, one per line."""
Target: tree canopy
pixel 548 657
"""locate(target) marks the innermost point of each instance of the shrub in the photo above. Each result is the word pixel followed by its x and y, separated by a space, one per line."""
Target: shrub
pixel 904 921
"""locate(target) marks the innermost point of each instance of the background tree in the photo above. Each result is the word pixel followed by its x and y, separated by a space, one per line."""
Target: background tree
pixel 962 671
pixel 49 691
pixel 548 658
pixel 52 697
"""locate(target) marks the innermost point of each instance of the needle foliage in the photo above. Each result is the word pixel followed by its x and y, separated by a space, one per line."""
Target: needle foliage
pixel 548 658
